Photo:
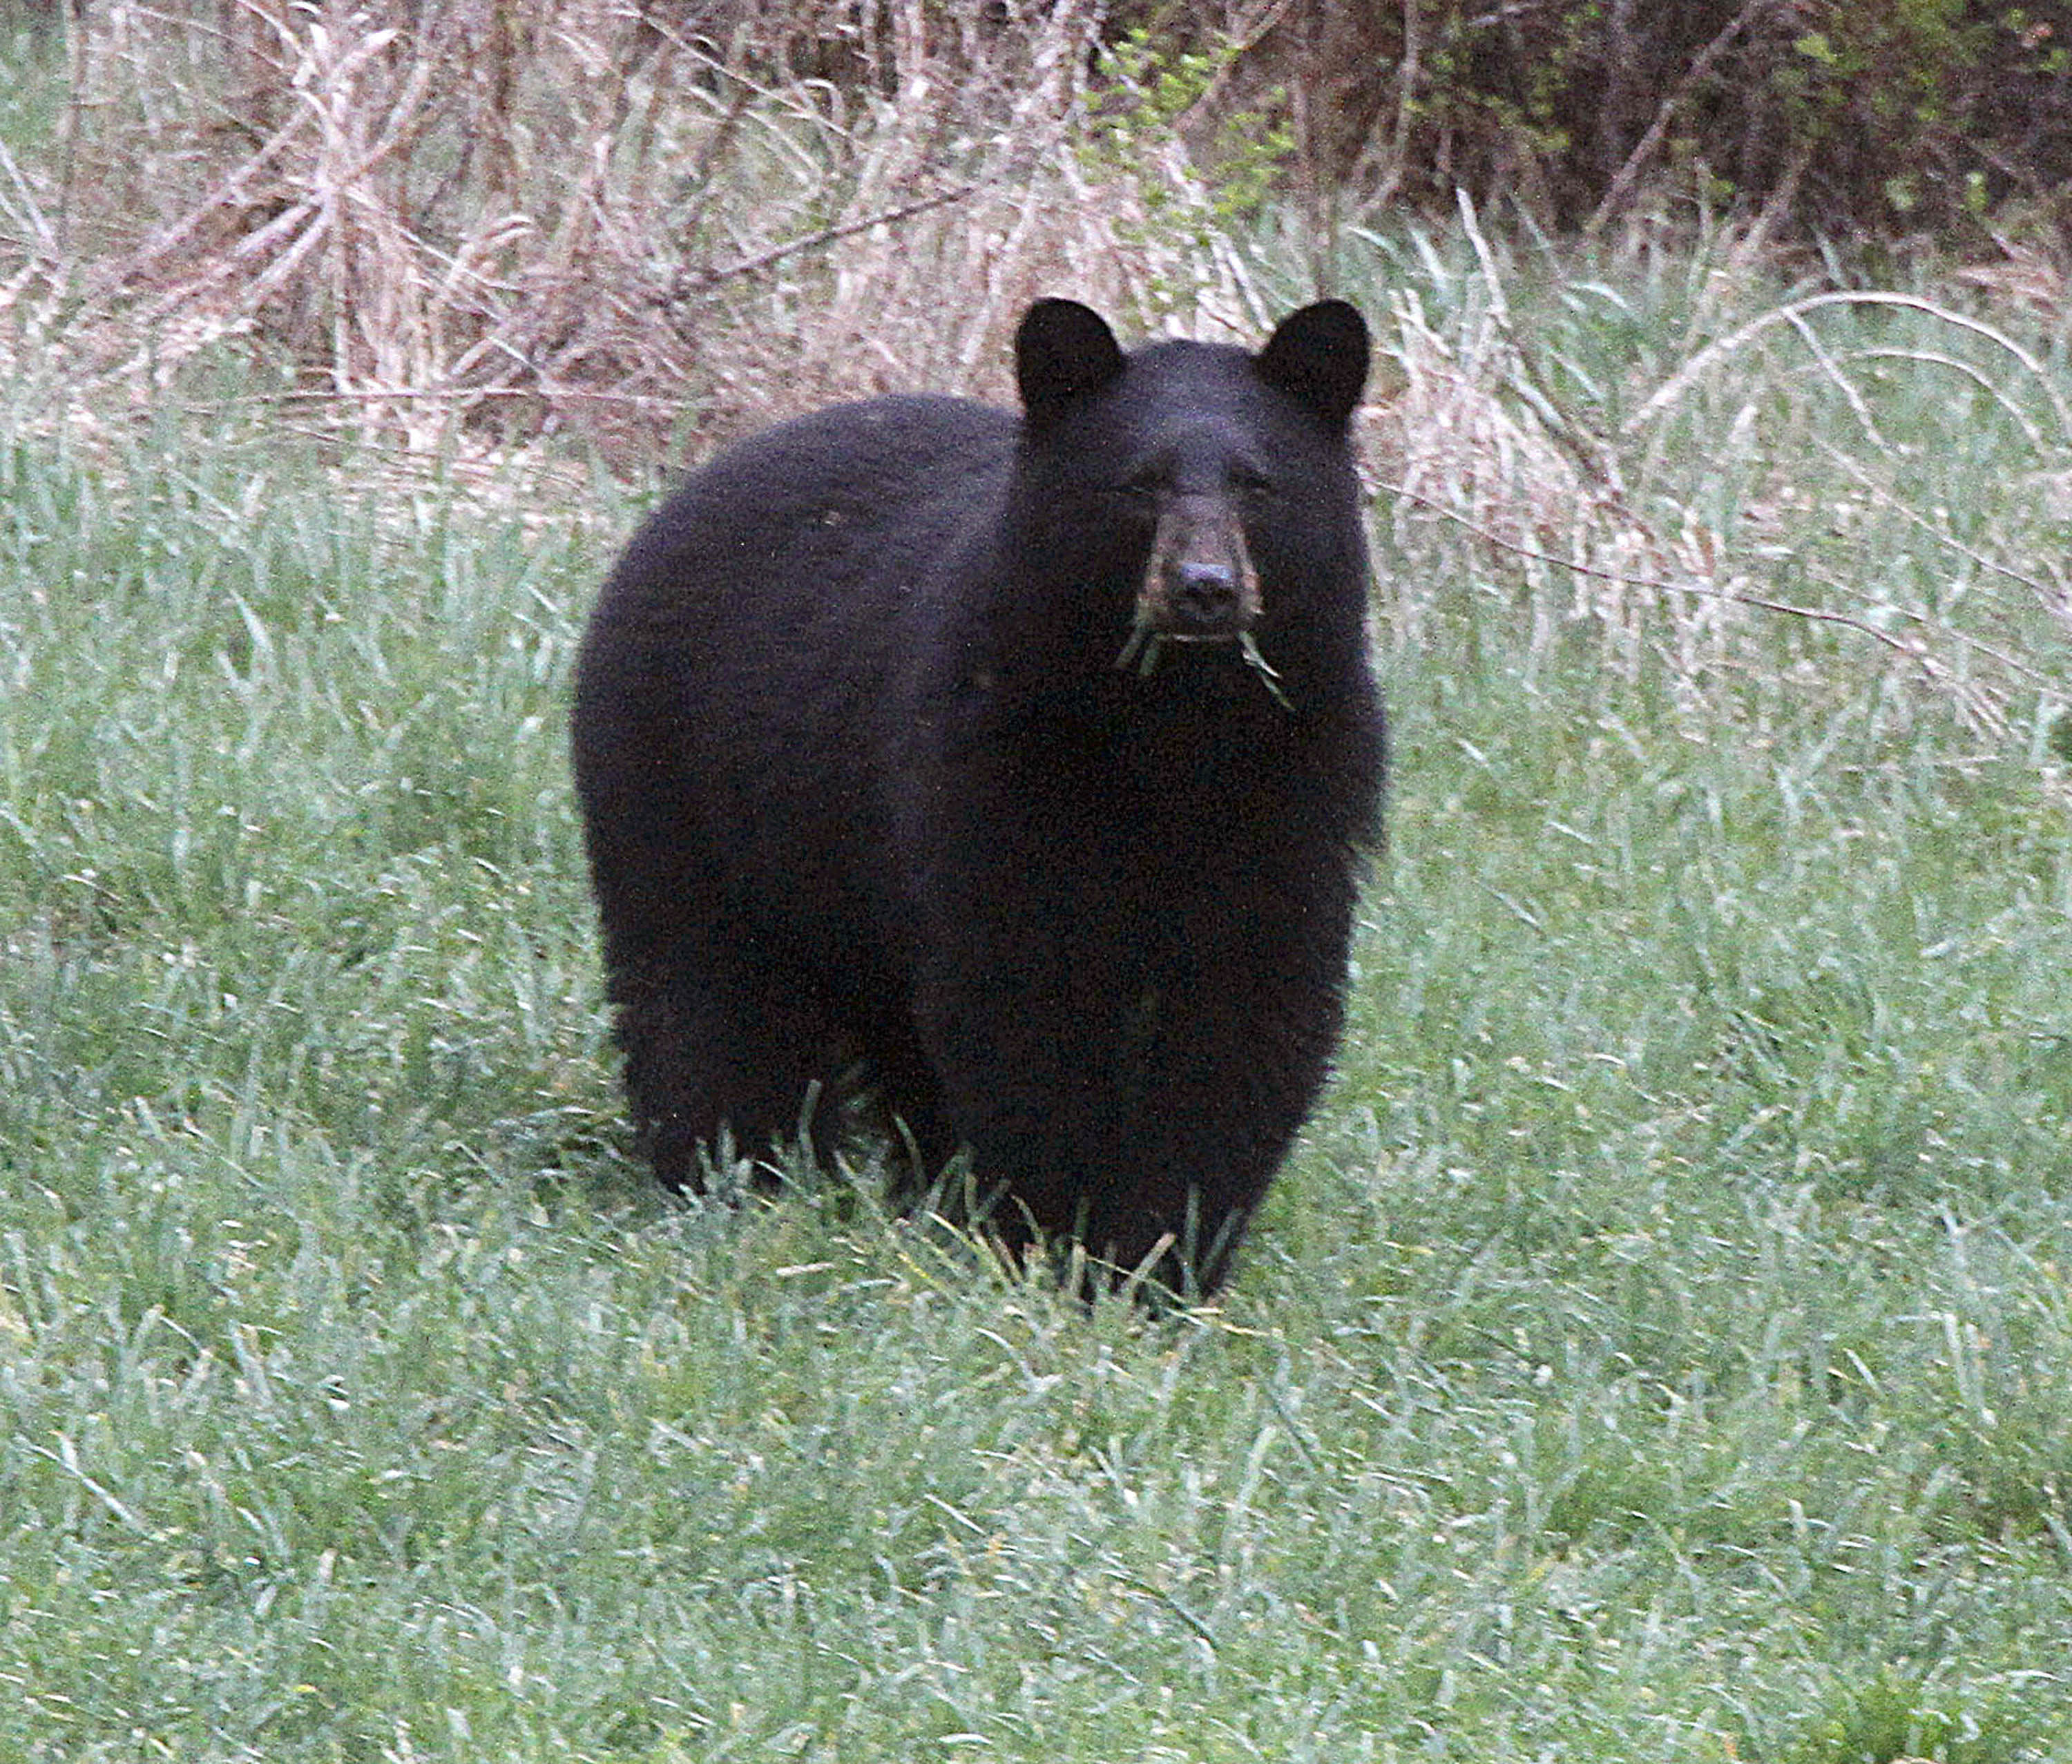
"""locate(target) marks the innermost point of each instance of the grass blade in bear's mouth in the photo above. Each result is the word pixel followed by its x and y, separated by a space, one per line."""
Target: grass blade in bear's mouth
pixel 1269 675
pixel 1140 649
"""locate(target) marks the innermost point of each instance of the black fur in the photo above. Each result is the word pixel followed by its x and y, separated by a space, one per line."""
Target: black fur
pixel 900 733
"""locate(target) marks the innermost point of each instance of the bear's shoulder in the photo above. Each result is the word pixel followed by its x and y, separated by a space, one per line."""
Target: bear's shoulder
pixel 899 437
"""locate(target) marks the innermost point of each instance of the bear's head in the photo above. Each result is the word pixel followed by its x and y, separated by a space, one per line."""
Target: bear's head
pixel 1213 485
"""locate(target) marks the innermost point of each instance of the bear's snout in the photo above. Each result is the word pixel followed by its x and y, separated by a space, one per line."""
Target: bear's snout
pixel 1200 587
pixel 1204 597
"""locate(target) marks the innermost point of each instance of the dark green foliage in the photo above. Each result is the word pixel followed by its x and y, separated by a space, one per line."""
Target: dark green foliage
pixel 1890 119
pixel 2059 737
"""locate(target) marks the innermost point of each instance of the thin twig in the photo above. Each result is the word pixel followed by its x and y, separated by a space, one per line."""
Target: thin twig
pixel 1678 383
pixel 1698 590
pixel 1840 381
pixel 755 264
pixel 1935 358
pixel 761 261
pixel 1614 198
pixel 2053 595
pixel 1915 617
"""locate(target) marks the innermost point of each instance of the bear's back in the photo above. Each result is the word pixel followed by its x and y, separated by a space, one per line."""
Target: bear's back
pixel 741 653
pixel 905 470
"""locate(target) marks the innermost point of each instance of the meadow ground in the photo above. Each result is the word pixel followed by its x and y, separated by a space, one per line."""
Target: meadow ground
pixel 1660 1347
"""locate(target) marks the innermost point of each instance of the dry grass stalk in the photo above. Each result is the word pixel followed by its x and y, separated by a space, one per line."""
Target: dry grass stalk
pixel 610 217
pixel 1575 531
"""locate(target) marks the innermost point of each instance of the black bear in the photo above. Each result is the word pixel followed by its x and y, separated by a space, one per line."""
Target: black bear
pixel 1021 762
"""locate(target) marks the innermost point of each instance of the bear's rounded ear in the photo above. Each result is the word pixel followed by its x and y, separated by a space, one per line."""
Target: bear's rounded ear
pixel 1319 355
pixel 1062 350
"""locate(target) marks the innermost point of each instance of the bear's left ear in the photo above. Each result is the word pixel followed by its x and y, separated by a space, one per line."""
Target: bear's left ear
pixel 1319 355
pixel 1062 351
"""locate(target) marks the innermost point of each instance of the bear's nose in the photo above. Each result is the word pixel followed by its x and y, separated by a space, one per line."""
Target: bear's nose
pixel 1204 598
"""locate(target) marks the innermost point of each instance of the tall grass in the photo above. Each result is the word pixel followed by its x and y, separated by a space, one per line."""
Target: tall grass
pixel 1658 1348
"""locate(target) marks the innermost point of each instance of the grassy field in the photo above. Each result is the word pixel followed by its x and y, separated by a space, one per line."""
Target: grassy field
pixel 1659 1348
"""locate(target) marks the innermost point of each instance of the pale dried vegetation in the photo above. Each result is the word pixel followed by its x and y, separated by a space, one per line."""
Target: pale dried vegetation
pixel 464 228
pixel 595 215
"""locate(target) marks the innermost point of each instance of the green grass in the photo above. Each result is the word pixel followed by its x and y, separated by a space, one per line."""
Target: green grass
pixel 1660 1348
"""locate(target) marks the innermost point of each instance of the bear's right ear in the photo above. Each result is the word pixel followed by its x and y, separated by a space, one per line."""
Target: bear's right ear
pixel 1062 352
pixel 1319 355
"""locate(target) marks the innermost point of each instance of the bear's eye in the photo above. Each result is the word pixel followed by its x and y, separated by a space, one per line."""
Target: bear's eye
pixel 1139 484
pixel 1249 480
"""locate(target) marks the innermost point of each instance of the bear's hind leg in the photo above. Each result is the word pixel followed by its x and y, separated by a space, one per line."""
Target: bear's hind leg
pixel 909 1107
pixel 731 1044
